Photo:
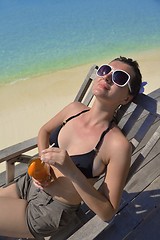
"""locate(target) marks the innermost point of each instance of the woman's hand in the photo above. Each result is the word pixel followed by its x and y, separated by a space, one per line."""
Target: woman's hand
pixel 47 181
pixel 44 183
pixel 41 184
pixel 58 158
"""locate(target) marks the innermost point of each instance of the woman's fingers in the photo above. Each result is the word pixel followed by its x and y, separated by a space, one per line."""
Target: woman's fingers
pixel 52 155
pixel 42 184
pixel 56 156
pixel 52 149
pixel 46 153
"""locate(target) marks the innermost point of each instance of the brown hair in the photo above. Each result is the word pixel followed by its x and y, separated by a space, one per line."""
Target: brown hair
pixel 135 81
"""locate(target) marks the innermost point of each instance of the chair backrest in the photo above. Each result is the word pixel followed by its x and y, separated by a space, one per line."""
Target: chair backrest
pixel 140 123
pixel 84 94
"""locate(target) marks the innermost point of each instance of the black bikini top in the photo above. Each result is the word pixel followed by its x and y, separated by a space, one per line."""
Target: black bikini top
pixel 83 161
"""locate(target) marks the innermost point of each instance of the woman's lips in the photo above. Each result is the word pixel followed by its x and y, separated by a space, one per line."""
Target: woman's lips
pixel 104 85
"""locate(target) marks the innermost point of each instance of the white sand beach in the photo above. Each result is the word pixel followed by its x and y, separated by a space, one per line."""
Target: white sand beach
pixel 26 105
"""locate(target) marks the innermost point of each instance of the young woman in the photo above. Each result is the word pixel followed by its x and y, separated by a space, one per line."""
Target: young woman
pixel 87 144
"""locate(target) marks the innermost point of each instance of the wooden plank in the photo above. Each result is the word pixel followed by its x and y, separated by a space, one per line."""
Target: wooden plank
pixel 153 128
pixel 17 149
pixel 133 112
pixel 155 94
pixel 129 122
pixel 10 169
pixel 143 129
pixel 20 169
pixel 144 102
pixel 143 178
pixel 152 146
pixel 146 200
pixel 147 229
pixel 134 214
pixel 89 230
pixel 137 125
pixel 148 103
pixel 86 84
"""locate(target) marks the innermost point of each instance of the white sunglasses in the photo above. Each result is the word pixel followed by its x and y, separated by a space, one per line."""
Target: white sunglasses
pixel 119 77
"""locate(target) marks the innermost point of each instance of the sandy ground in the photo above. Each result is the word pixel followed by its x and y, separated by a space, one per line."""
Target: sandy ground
pixel 26 105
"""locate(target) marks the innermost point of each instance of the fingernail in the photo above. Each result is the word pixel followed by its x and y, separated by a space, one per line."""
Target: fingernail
pixel 43 159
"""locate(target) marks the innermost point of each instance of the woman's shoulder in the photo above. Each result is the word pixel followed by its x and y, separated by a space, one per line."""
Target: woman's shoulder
pixel 74 108
pixel 117 140
pixel 117 146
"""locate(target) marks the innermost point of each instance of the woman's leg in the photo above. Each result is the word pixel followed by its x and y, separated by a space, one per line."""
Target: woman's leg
pixel 9 191
pixel 13 213
pixel 13 218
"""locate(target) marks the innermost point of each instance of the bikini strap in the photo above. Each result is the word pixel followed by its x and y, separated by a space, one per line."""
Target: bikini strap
pixel 97 147
pixel 103 133
pixel 78 114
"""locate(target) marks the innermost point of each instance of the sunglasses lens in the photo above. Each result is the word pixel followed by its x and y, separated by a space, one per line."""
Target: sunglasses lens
pixel 120 78
pixel 103 70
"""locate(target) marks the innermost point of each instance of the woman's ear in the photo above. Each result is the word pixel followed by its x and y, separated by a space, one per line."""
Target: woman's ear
pixel 127 99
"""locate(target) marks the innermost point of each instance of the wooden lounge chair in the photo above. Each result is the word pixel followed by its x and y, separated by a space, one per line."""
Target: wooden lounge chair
pixel 140 122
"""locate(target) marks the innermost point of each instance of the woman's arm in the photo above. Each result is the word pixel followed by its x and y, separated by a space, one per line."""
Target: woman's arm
pixel 106 201
pixel 46 129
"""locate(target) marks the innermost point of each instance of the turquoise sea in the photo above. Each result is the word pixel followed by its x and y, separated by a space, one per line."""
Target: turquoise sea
pixel 42 36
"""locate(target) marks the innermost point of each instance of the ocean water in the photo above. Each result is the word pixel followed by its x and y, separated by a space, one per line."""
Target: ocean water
pixel 42 36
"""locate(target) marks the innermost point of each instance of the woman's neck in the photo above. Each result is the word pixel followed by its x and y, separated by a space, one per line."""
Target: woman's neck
pixel 100 114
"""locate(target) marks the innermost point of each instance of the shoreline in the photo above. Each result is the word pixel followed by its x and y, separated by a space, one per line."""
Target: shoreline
pixel 26 105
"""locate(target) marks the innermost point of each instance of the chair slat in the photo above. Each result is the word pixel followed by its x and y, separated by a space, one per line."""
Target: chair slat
pixel 148 103
pixel 86 85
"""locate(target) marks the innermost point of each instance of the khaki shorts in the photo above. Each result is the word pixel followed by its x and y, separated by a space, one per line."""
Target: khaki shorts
pixel 46 216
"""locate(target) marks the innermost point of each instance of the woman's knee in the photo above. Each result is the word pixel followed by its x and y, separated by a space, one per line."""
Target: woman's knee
pixel 9 191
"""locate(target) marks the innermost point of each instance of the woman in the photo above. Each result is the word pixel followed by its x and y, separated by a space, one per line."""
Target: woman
pixel 87 144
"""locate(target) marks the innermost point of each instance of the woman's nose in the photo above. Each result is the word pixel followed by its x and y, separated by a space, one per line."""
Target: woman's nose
pixel 108 77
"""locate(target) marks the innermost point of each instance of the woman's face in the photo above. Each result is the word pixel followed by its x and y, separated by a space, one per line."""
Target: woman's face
pixel 103 87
